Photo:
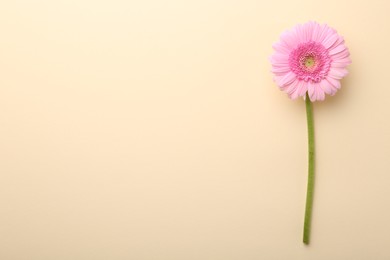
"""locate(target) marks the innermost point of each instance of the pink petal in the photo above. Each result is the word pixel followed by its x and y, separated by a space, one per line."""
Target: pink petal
pixel 295 93
pixel 279 58
pixel 334 82
pixel 316 32
pixel 341 63
pixel 329 41
pixel 337 73
pixel 300 34
pixel 279 47
pixel 291 88
pixel 308 31
pixel 280 65
pixel 289 39
pixel 302 88
pixel 340 40
pixel 325 32
pixel 311 91
pixel 341 55
pixel 320 92
pixel 287 79
pixel 337 50
pixel 326 87
pixel 346 60
pixel 282 70
pixel 321 33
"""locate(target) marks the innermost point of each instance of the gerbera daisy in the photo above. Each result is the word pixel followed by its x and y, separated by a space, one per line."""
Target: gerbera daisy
pixel 309 61
pixel 310 58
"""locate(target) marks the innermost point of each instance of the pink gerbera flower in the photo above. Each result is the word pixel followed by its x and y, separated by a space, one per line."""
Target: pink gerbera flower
pixel 310 58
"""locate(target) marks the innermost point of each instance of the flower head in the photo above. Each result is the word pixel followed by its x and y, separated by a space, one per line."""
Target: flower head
pixel 310 58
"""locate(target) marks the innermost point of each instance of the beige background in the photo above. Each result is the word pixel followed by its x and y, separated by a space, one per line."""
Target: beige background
pixel 152 130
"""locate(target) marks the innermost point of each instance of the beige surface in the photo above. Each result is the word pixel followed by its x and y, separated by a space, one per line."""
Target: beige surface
pixel 152 130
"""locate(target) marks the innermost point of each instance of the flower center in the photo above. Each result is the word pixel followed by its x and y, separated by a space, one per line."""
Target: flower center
pixel 310 61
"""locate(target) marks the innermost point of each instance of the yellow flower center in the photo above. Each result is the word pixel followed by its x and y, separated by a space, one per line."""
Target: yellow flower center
pixel 309 62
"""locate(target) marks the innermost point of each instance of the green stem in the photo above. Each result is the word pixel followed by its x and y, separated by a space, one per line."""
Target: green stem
pixel 310 180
